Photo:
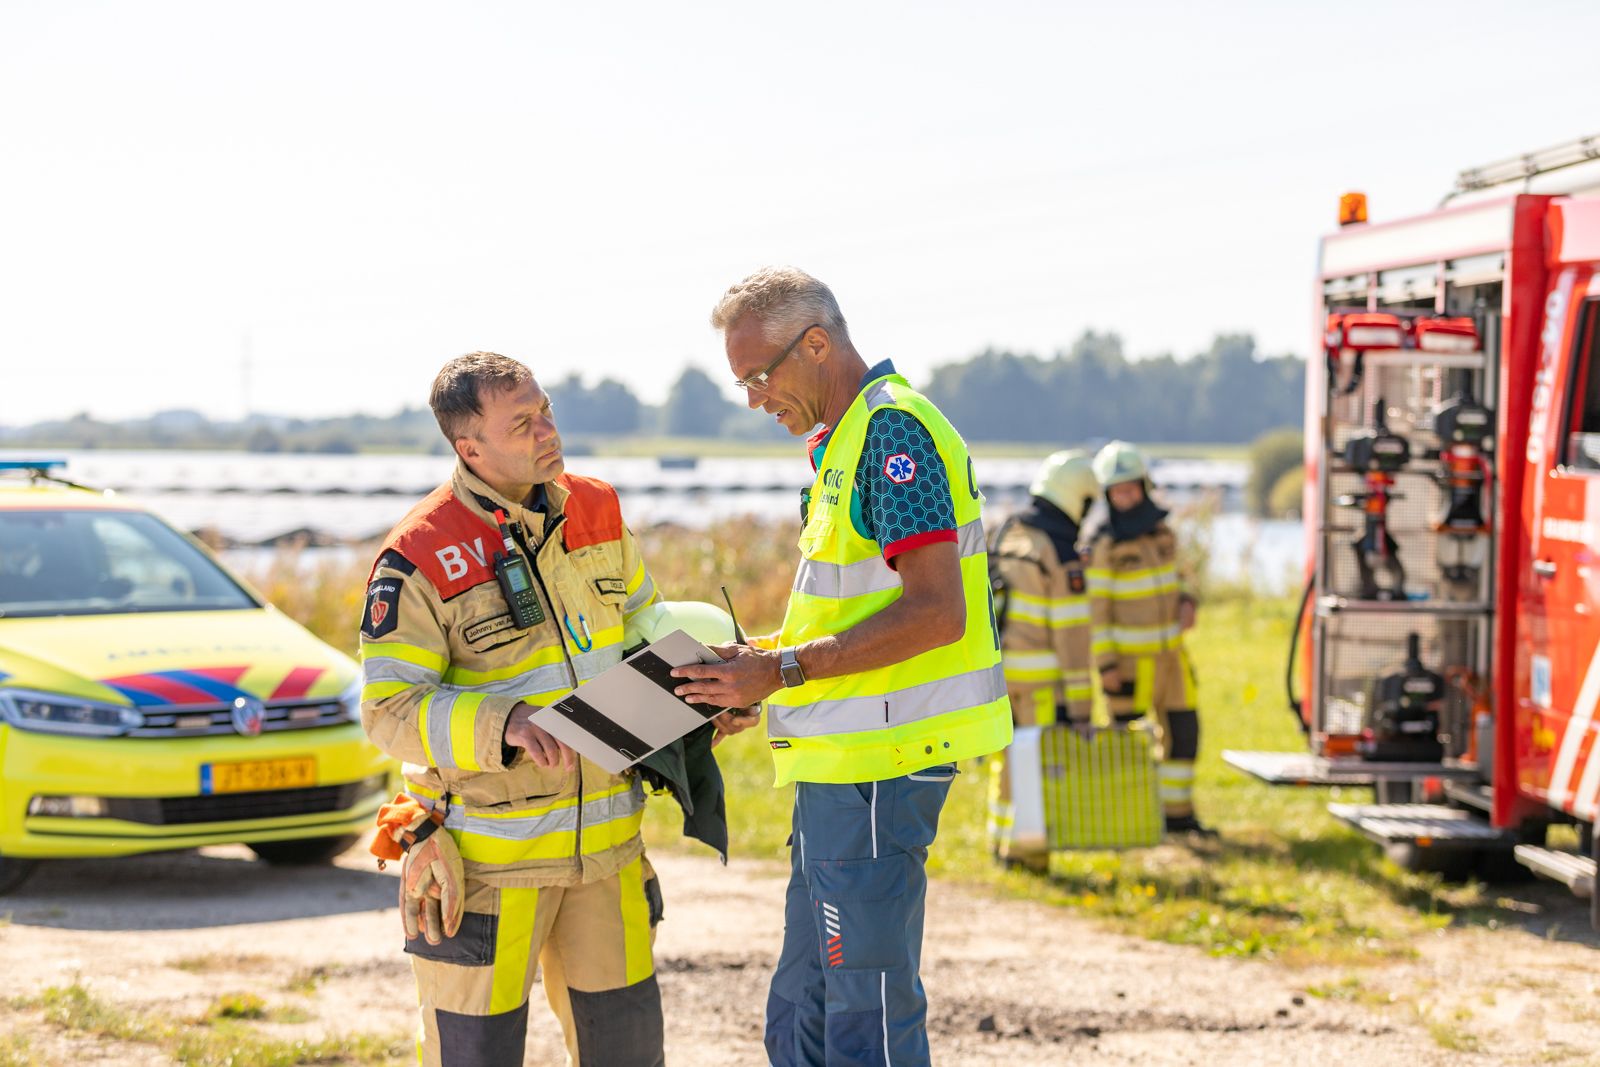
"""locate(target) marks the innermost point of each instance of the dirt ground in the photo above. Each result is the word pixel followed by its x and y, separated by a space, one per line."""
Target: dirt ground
pixel 1008 981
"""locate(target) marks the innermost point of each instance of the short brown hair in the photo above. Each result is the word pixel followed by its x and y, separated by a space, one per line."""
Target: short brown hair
pixel 456 398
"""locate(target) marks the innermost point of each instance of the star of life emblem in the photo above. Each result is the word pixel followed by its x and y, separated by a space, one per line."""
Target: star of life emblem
pixel 900 468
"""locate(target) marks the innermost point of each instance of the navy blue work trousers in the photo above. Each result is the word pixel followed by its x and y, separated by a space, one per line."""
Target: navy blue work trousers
pixel 847 991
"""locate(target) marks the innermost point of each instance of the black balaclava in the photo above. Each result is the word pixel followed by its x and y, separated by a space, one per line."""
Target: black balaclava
pixel 1056 524
pixel 1136 521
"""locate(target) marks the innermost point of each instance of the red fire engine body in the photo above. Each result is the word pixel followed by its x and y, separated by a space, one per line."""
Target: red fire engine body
pixel 1448 650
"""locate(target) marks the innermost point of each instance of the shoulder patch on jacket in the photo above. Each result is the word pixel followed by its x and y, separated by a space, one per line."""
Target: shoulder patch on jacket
pixel 1076 582
pixel 441 537
pixel 382 612
pixel 594 515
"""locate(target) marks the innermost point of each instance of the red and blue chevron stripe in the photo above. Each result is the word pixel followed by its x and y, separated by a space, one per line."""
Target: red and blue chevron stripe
pixel 207 685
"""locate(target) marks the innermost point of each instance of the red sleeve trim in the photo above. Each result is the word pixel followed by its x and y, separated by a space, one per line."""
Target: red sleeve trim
pixel 906 544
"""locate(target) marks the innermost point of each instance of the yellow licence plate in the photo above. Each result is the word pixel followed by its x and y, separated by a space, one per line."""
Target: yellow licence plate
pixel 258 774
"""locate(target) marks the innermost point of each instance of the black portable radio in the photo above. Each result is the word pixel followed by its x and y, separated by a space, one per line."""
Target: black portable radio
pixel 511 570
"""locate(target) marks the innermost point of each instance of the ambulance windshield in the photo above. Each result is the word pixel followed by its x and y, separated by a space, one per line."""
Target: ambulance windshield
pixel 99 562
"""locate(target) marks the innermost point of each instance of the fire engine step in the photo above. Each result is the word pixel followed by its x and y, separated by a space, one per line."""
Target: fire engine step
pixel 1570 869
pixel 1470 794
pixel 1423 825
pixel 1300 768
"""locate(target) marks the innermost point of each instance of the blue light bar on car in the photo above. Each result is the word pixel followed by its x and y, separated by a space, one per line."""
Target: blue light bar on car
pixel 32 464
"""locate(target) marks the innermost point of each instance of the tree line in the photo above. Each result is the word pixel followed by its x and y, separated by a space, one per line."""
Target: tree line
pixel 1229 393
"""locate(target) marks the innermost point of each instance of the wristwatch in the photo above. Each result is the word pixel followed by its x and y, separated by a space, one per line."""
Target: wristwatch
pixel 789 667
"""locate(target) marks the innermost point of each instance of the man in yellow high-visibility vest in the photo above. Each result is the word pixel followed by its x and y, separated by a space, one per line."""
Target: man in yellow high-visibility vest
pixel 885 673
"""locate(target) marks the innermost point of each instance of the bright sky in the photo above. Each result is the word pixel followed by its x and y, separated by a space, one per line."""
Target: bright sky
pixel 352 192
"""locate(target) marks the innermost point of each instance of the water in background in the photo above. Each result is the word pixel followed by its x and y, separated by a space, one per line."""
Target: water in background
pixel 253 502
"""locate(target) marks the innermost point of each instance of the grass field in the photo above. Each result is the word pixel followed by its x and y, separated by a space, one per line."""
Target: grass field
pixel 1283 881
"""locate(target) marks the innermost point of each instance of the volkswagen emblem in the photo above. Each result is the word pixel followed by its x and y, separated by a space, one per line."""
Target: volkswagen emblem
pixel 248 715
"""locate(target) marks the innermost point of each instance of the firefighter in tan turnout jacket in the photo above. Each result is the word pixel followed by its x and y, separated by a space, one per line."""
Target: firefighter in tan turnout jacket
pixel 552 866
pixel 1140 612
pixel 1042 606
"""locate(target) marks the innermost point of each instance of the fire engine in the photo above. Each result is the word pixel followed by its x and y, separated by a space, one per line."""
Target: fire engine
pixel 1447 651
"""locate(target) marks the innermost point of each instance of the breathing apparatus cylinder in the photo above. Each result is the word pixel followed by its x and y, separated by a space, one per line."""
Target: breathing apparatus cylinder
pixel 1403 709
pixel 1377 455
pixel 1465 430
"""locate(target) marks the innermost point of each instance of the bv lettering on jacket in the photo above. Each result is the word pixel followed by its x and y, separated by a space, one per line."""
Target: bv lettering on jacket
pixel 453 561
pixel 448 542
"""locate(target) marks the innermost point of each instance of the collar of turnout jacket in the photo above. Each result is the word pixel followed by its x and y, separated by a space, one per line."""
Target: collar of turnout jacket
pixel 452 538
pixel 444 666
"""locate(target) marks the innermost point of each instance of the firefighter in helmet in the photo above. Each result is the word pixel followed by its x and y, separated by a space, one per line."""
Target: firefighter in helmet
pixel 1140 612
pixel 1042 606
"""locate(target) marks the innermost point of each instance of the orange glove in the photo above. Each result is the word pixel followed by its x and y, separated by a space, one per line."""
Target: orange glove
pixel 432 885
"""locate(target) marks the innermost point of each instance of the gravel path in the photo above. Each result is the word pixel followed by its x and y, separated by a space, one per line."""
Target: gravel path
pixel 1008 981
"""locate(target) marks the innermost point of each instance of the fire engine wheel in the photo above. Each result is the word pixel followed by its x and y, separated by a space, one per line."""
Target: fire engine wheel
pixel 1500 867
pixel 13 872
pixel 305 852
pixel 1454 864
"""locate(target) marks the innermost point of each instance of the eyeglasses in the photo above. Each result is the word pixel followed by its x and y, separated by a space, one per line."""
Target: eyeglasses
pixel 758 382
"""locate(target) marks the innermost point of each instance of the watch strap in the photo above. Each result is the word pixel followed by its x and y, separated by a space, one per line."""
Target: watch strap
pixel 789 668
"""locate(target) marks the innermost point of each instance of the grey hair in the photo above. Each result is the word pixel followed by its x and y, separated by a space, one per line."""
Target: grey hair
pixel 784 301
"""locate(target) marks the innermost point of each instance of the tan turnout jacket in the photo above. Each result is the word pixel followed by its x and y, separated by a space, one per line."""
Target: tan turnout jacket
pixel 443 667
pixel 1134 594
pixel 1046 643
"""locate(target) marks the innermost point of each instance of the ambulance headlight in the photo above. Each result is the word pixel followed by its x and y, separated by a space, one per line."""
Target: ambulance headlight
pixel 350 701
pixel 57 713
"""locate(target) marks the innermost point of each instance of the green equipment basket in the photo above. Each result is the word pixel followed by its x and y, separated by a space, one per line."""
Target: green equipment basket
pixel 1100 793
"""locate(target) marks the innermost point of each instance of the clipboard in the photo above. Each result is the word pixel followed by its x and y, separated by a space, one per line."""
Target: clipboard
pixel 629 711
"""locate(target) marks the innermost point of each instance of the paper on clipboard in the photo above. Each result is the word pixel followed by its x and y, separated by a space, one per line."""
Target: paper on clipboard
pixel 621 716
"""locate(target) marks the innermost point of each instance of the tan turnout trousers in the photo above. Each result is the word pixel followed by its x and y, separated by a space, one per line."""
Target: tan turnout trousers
pixel 1134 595
pixel 1045 644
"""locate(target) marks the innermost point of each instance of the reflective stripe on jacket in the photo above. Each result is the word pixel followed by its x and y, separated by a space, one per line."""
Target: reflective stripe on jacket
pixel 939 706
pixel 1133 594
pixel 444 664
pixel 1047 632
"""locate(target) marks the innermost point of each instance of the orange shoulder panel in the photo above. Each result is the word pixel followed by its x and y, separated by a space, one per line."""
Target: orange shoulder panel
pixel 594 515
pixel 452 547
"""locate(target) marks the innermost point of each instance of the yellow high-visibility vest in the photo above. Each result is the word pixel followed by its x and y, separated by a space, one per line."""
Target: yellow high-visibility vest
pixel 936 707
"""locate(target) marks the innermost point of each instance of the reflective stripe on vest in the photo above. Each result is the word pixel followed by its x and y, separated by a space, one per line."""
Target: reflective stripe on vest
pixel 816 577
pixel 935 707
pixel 855 714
